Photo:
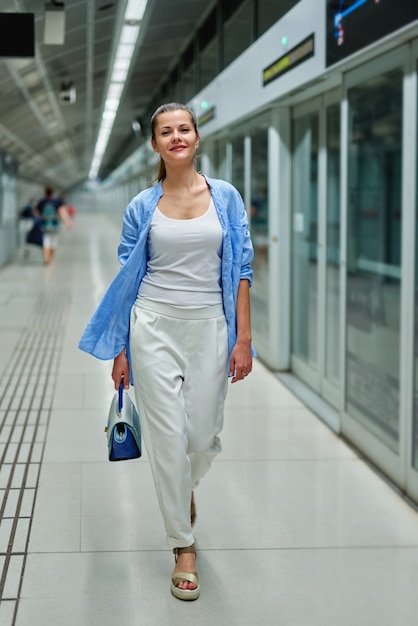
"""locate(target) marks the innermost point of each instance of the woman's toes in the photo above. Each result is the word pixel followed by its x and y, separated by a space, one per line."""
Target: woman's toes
pixel 184 584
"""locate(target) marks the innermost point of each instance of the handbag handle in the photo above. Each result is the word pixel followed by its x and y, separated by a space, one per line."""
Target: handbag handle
pixel 120 401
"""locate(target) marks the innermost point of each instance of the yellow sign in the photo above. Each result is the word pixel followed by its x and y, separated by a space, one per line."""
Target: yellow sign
pixel 303 51
pixel 206 117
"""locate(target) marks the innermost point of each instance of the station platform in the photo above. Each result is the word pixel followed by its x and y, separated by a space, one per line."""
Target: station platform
pixel 293 527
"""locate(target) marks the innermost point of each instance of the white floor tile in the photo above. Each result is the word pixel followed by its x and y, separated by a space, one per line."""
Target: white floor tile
pixel 289 587
pixel 279 433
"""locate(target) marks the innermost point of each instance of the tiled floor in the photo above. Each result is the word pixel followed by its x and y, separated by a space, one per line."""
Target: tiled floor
pixel 293 528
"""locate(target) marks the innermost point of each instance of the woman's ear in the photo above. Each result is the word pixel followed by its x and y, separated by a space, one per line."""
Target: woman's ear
pixel 154 146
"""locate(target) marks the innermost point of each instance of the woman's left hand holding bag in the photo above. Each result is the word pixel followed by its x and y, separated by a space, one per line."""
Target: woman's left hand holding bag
pixel 121 370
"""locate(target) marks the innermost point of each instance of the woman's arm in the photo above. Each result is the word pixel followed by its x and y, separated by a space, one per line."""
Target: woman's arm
pixel 129 234
pixel 241 361
pixel 64 216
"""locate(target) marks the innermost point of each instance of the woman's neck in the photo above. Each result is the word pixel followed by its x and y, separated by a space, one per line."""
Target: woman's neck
pixel 181 180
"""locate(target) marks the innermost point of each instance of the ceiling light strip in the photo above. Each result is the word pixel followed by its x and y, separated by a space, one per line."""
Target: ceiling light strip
pixel 128 38
pixel 90 8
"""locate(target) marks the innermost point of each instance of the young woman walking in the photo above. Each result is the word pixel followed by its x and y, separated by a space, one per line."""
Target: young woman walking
pixel 176 321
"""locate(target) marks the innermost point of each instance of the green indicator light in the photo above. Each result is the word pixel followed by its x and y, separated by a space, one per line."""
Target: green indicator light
pixel 284 41
pixel 204 105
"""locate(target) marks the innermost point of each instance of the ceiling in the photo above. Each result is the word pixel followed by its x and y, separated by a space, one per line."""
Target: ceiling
pixel 54 142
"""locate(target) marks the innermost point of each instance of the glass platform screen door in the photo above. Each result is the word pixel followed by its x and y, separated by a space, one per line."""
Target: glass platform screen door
pixel 315 258
pixel 380 259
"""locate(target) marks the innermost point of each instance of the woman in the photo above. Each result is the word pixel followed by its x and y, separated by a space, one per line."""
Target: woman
pixel 176 320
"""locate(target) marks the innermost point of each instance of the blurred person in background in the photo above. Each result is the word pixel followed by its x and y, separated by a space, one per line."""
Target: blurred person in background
pixel 51 212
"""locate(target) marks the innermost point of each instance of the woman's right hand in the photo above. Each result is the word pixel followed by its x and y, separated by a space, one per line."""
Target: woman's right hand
pixel 121 370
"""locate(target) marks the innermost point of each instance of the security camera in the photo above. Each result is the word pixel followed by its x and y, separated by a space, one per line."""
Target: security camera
pixel 67 94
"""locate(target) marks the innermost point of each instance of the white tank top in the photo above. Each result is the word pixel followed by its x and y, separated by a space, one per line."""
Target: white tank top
pixel 184 265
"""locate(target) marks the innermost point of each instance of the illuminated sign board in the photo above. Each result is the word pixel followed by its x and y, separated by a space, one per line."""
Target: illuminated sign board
pixel 206 116
pixel 354 24
pixel 303 51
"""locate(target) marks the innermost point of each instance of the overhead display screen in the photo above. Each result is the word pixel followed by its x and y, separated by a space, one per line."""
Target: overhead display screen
pixel 17 35
pixel 354 24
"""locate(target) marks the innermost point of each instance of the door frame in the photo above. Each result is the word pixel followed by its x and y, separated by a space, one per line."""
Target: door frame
pixel 409 207
pixel 315 376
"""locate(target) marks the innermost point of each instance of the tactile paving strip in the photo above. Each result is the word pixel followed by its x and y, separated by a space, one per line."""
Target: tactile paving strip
pixel 26 393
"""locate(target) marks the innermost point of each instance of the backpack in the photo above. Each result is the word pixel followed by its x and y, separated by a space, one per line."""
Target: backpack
pixel 49 218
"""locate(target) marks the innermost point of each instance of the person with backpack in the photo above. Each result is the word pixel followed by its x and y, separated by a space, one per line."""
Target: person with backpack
pixel 51 211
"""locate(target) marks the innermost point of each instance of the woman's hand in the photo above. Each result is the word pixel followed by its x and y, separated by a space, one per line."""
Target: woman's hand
pixel 241 362
pixel 120 370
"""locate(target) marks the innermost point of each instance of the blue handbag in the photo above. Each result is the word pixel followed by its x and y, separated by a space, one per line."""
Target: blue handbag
pixel 123 429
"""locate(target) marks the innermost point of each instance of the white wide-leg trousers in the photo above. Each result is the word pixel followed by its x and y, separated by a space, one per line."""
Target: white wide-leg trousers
pixel 179 368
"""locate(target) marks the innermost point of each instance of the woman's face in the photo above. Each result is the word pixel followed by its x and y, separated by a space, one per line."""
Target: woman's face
pixel 175 138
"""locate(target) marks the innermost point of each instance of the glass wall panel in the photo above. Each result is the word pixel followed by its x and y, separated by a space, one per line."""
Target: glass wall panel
pixel 189 82
pixel 209 63
pixel 270 11
pixel 189 73
pixel 175 87
pixel 208 50
pixel 259 224
pixel 304 239
pixel 237 31
pixel 219 160
pixel 238 164
pixel 373 255
pixel 8 170
pixel 332 297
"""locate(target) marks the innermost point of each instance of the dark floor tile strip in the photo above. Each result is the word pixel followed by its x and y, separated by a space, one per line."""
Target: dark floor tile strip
pixel 29 375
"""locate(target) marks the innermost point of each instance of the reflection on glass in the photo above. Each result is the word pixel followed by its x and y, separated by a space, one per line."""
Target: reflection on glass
pixel 259 229
pixel 373 256
pixel 332 302
pixel 304 238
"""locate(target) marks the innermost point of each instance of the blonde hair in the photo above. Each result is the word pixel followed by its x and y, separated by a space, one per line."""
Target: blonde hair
pixel 168 108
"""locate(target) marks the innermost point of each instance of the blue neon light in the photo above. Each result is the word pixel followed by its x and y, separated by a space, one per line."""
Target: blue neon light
pixel 339 16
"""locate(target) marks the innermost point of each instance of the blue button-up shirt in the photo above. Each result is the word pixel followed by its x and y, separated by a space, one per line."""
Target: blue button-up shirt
pixel 107 332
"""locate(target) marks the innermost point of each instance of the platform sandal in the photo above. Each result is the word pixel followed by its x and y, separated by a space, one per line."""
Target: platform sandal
pixel 190 577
